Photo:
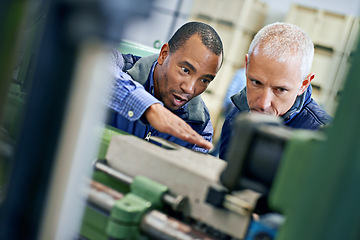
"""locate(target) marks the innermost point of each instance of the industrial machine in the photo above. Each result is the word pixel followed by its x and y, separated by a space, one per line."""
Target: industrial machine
pixel 277 183
pixel 165 192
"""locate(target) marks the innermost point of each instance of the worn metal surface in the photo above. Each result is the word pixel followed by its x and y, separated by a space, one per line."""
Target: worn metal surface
pixel 103 196
pixel 162 227
pixel 184 172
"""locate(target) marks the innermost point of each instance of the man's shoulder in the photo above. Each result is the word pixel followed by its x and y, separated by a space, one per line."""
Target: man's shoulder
pixel 129 61
pixel 317 112
pixel 240 100
pixel 311 116
pixel 142 68
pixel 233 114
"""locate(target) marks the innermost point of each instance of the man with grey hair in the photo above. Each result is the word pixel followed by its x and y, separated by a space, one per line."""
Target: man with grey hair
pixel 278 81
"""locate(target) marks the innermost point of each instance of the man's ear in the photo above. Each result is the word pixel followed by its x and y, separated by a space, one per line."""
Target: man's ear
pixel 246 60
pixel 164 52
pixel 305 83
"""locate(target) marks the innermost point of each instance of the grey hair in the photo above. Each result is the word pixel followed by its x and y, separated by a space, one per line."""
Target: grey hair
pixel 280 40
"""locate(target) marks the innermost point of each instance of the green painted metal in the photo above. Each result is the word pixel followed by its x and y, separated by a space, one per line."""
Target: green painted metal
pixel 10 35
pixel 110 182
pixel 127 212
pixel 23 54
pixel 130 208
pixel 126 216
pixel 107 133
pixel 121 231
pixel 94 224
pixel 14 111
pixel 149 190
pixel 325 191
pixel 293 169
pixel 136 49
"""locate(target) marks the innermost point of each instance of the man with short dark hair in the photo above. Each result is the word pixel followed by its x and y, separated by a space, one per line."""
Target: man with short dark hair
pixel 158 95
pixel 278 76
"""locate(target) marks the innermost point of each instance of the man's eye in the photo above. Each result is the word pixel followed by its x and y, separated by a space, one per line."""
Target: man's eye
pixel 185 70
pixel 256 82
pixel 281 89
pixel 205 81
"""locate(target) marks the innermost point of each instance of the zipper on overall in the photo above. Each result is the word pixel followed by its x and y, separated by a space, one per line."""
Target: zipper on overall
pixel 147 138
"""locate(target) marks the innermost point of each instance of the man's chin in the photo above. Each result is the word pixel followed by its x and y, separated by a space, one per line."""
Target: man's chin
pixel 174 108
pixel 261 112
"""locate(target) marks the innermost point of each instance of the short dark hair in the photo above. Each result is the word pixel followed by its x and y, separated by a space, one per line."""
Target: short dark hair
pixel 207 34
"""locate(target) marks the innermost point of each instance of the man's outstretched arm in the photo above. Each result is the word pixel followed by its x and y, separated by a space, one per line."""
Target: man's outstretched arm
pixel 130 97
pixel 165 121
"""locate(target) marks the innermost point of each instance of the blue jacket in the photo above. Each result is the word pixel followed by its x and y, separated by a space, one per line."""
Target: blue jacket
pixel 304 114
pixel 195 112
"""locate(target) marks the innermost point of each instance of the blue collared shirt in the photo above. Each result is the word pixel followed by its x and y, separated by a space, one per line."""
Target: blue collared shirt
pixel 129 97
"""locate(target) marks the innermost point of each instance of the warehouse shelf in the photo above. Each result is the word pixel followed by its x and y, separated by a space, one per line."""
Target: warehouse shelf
pixel 334 36
pixel 326 29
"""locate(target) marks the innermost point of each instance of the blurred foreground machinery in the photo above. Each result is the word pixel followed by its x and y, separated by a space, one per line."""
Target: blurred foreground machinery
pixel 53 80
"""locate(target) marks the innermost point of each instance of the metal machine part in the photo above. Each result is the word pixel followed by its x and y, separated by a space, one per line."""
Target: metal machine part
pixel 255 152
pixel 211 208
pixel 101 166
pixel 103 196
pixel 154 223
pixel 176 202
pixel 219 197
pixel 191 177
pixel 158 225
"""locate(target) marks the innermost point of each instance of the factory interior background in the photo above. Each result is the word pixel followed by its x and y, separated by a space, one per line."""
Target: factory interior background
pixel 332 25
pixel 59 147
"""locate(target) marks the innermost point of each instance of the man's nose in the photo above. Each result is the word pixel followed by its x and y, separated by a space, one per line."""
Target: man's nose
pixel 188 86
pixel 265 99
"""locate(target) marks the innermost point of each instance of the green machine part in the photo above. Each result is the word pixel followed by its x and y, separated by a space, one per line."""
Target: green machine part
pixel 123 222
pixel 106 133
pixel 126 215
pixel 94 224
pixel 150 190
pixel 317 185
